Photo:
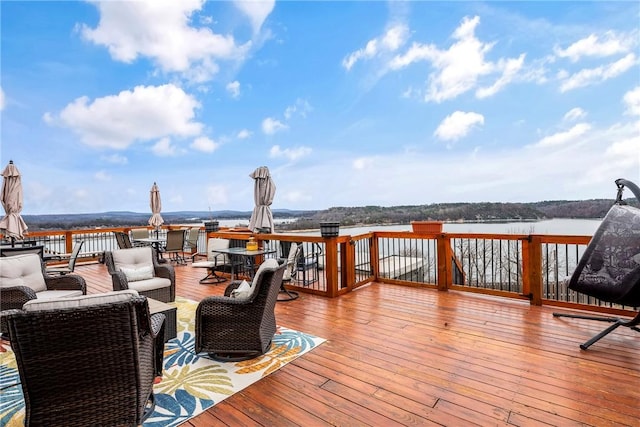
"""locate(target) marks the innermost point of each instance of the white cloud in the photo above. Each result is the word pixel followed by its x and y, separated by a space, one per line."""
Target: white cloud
pixel 161 30
pixel 164 148
pixel 292 154
pixel 458 69
pixel 271 126
pixel 244 134
pixel 510 69
pixel 115 159
pixel 257 11
pixel 458 125
pixel 301 107
pixel 146 113
pixel 389 42
pixel 362 163
pixel 234 89
pixel 574 114
pixel 102 176
pixel 610 44
pixel 632 101
pixel 2 101
pixel 564 137
pixel 204 144
pixel 217 195
pixel 590 76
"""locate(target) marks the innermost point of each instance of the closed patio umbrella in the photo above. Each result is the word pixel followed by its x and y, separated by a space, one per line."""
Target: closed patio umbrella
pixel 156 206
pixel 12 225
pixel 263 192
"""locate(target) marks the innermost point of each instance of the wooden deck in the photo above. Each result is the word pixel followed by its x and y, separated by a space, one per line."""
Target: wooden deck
pixel 399 355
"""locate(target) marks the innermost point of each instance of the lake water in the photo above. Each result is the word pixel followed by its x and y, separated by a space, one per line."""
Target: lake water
pixel 573 227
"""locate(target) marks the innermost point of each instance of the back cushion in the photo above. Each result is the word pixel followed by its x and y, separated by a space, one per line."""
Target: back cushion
pixel 133 258
pixel 217 243
pixel 22 270
pixel 83 301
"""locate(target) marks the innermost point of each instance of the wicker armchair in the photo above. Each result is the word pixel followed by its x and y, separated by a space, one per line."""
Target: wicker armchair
pixel 23 278
pixel 233 329
pixel 90 364
pixel 125 264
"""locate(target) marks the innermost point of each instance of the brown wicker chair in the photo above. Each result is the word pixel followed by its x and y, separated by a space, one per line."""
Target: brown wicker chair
pixel 22 278
pixel 94 364
pixel 233 329
pixel 161 287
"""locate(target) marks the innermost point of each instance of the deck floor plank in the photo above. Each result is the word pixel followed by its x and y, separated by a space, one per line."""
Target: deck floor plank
pixel 415 356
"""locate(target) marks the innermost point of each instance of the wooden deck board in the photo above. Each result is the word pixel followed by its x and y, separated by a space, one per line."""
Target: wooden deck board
pixel 399 355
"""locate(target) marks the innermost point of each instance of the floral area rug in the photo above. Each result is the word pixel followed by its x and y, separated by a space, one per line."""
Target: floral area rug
pixel 191 383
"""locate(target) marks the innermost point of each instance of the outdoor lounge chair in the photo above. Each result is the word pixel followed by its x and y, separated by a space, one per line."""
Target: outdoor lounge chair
pixel 240 328
pixel 87 361
pixel 123 240
pixel 290 273
pixel 175 246
pixel 138 268
pixel 215 261
pixel 609 269
pixel 23 278
pixel 71 265
pixel 191 244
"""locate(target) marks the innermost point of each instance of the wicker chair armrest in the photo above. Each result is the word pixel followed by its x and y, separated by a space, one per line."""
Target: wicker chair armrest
pixel 14 297
pixel 221 301
pixel 66 282
pixel 157 323
pixel 164 270
pixel 119 280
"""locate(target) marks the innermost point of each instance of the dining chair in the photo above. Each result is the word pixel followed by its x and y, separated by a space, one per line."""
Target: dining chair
pixel 175 246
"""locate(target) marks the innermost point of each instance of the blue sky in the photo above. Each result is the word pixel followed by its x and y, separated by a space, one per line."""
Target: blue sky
pixel 347 103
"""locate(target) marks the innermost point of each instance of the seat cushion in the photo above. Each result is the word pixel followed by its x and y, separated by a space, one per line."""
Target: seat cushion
pixel 22 270
pixel 150 284
pixel 50 301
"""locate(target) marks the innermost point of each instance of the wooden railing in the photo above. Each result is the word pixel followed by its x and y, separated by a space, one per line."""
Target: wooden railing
pixel 526 267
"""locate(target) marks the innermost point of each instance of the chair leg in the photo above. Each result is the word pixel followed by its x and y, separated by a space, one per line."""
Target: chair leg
pixel 632 324
pixel 212 278
pixel 290 295
pixel 151 406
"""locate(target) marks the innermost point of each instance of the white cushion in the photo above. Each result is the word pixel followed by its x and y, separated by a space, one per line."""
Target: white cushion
pixel 140 273
pixel 133 258
pixel 64 293
pixel 242 291
pixel 291 259
pixel 81 301
pixel 22 270
pixel 150 284
pixel 217 243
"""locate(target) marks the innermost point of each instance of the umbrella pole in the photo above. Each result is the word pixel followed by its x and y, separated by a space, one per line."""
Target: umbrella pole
pixel 13 241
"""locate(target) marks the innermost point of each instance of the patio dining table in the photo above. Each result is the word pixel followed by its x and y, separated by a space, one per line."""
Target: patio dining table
pixel 248 258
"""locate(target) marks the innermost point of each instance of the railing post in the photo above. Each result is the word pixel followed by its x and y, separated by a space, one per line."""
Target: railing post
pixel 68 242
pixel 445 276
pixel 532 269
pixel 348 261
pixel 374 259
pixel 331 266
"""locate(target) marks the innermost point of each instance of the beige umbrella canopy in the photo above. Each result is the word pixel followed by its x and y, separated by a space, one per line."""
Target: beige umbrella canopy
pixel 263 192
pixel 156 206
pixel 12 225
